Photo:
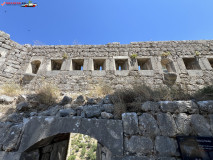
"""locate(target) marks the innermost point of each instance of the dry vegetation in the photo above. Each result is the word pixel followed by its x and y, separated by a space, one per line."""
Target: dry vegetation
pixel 11 89
pixel 47 93
pixel 101 90
pixel 130 99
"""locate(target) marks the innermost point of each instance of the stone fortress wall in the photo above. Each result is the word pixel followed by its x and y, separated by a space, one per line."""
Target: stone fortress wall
pixel 76 68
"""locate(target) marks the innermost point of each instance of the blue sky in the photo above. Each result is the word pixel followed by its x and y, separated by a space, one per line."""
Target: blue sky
pixel 102 21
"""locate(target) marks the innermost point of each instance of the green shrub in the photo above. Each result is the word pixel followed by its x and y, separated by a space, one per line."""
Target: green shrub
pixel 72 157
pixel 83 151
pixel 133 56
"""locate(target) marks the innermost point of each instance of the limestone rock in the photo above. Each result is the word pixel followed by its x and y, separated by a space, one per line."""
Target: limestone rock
pixel 148 125
pixel 130 123
pixel 6 99
pixel 169 106
pixel 150 106
pixel 66 100
pixel 79 100
pixel 91 101
pixel 205 106
pixel 200 125
pixel 166 124
pixel 106 115
pixel 15 118
pixel 66 112
pixel 9 137
pixel 107 100
pixel 138 144
pixel 183 123
pixel 92 111
pixel 165 146
pixel 107 108
pixel 23 106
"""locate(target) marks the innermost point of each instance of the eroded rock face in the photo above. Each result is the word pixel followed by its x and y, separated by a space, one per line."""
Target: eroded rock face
pixel 148 125
pixel 165 146
pixel 138 144
pixel 130 123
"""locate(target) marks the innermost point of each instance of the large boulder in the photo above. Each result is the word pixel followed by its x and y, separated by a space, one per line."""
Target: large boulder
pixel 66 100
pixel 165 146
pixel 92 111
pixel 138 144
pixel 148 125
pixel 130 123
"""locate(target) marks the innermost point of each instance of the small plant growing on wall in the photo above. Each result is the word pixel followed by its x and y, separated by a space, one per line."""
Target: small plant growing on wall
pixel 197 53
pixel 133 56
pixel 65 55
pixel 165 54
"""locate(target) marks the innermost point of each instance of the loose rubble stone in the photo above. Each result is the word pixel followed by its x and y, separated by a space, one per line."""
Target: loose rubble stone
pixel 21 98
pixel 107 108
pixel 148 125
pixel 91 101
pixel 23 106
pixel 66 100
pixel 106 115
pixel 205 106
pixel 79 100
pixel 150 106
pixel 92 111
pixel 166 124
pixel 138 144
pixel 50 112
pixel 200 125
pixel 130 123
pixel 183 123
pixel 6 99
pixel 107 99
pixel 66 112
pixel 165 146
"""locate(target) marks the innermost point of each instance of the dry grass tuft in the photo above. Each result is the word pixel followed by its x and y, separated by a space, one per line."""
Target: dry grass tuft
pixel 101 90
pixel 130 99
pixel 48 93
pixel 11 89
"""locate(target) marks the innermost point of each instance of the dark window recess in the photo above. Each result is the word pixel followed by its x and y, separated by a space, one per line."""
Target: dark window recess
pixel 99 64
pixel 35 66
pixel 211 61
pixel 121 64
pixel 191 64
pixel 56 64
pixel 144 64
pixel 77 64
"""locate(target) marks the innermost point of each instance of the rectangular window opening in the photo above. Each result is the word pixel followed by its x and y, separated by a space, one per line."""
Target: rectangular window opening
pixel 99 64
pixel 211 61
pixel 35 66
pixel 191 64
pixel 144 64
pixel 77 64
pixel 56 64
pixel 121 64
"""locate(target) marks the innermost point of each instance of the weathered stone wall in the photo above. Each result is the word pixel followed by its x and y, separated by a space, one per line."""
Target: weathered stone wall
pixel 148 134
pixel 20 63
